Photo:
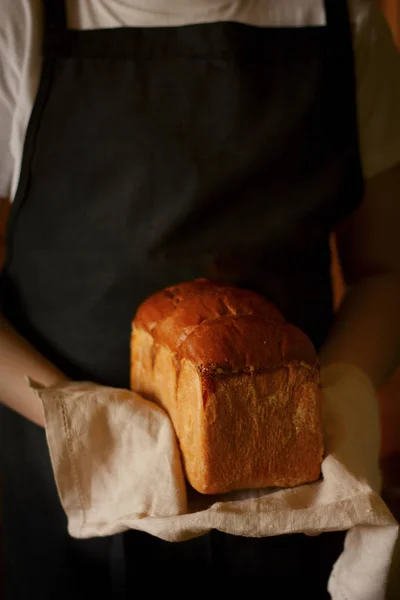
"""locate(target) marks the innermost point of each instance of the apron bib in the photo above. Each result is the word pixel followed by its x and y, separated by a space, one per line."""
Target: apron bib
pixel 154 156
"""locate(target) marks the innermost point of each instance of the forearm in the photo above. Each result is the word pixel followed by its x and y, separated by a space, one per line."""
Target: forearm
pixel 18 359
pixel 366 332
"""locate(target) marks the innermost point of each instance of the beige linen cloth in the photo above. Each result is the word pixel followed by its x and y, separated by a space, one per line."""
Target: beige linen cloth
pixel 117 466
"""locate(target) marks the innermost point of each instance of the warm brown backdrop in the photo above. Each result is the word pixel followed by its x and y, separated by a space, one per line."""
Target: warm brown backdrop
pixel 391 8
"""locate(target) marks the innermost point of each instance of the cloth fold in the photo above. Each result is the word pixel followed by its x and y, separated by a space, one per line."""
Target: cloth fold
pixel 117 466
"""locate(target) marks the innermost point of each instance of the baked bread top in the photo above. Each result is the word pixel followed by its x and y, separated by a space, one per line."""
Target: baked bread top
pixel 223 329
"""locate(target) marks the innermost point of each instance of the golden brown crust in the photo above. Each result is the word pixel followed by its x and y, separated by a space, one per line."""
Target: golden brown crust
pixel 246 342
pixel 222 327
pixel 193 302
pixel 240 384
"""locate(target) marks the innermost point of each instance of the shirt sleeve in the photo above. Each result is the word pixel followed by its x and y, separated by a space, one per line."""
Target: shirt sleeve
pixel 12 44
pixel 378 89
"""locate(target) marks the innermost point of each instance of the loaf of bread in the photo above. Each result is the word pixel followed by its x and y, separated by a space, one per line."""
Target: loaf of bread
pixel 240 384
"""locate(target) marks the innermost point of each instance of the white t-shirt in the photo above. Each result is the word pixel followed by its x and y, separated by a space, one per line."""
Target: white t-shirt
pixel 377 61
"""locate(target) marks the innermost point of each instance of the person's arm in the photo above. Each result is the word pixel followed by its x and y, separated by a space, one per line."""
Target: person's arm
pixel 366 332
pixel 17 359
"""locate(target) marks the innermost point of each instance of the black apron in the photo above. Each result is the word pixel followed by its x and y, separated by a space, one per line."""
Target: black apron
pixel 155 156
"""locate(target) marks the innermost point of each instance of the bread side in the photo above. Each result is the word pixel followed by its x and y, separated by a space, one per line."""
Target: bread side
pixel 260 430
pixel 175 385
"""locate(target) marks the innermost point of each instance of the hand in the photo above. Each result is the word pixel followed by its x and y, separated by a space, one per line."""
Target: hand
pixel 113 454
pixel 353 440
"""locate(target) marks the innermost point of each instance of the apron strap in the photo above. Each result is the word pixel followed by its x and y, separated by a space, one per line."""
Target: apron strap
pixel 56 33
pixel 55 15
pixel 337 15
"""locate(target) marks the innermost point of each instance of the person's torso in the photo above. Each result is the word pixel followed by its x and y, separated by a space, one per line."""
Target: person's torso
pixel 157 155
pixel 21 23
